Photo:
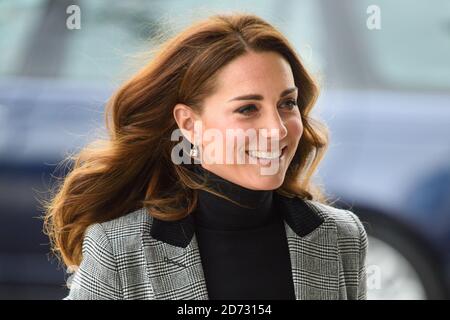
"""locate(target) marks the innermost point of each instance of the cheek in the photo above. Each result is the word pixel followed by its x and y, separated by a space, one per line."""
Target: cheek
pixel 294 128
pixel 218 120
pixel 215 135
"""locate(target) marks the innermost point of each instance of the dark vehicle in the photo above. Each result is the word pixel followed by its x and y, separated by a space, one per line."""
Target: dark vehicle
pixel 385 98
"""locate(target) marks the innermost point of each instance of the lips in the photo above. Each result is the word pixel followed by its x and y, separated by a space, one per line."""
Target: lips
pixel 267 155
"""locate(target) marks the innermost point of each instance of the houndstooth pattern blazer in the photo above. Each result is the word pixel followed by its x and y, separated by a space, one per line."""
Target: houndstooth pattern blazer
pixel 139 257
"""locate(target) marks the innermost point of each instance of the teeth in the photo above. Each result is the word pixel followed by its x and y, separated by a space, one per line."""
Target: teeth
pixel 264 154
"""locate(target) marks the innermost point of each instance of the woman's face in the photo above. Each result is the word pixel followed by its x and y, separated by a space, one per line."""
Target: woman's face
pixel 256 102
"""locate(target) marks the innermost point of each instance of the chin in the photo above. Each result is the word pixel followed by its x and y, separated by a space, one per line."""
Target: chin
pixel 267 182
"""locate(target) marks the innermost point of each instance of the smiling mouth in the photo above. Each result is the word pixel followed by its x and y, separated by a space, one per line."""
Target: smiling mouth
pixel 266 155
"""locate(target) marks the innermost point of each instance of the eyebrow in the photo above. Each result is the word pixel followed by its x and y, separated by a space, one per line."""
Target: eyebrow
pixel 260 97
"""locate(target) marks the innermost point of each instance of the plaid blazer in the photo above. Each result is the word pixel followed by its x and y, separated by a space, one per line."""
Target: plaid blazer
pixel 139 257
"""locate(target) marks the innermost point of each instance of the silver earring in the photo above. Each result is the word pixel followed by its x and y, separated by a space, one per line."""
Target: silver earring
pixel 194 151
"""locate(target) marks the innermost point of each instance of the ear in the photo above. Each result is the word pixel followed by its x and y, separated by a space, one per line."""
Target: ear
pixel 185 118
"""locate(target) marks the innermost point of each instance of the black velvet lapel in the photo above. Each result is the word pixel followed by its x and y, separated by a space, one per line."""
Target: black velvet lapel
pixel 298 215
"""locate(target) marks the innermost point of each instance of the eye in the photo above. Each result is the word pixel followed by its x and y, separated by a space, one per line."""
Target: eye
pixel 248 109
pixel 291 104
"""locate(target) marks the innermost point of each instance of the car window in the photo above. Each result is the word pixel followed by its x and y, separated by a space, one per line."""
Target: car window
pixel 114 38
pixel 18 20
pixel 412 48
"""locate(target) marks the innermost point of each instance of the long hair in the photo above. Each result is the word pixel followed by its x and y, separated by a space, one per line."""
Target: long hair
pixel 132 167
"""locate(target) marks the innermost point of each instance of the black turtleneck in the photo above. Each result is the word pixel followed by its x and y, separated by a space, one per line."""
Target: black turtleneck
pixel 244 251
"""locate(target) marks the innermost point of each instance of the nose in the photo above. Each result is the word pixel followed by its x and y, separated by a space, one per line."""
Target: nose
pixel 274 127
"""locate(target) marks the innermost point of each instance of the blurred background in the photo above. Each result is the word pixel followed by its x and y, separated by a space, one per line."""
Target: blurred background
pixel 384 70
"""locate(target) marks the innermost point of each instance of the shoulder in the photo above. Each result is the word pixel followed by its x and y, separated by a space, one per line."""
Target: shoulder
pixel 352 244
pixel 130 224
pixel 118 235
pixel 348 224
pixel 105 252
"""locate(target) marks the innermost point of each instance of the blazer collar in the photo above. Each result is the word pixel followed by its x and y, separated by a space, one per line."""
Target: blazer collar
pixel 302 218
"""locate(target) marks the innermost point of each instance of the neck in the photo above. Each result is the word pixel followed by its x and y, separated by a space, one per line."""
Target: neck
pixel 254 208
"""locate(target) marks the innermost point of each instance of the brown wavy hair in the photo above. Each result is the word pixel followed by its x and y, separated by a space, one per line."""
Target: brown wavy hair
pixel 132 167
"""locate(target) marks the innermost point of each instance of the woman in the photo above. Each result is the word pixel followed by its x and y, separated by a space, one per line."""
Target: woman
pixel 135 220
